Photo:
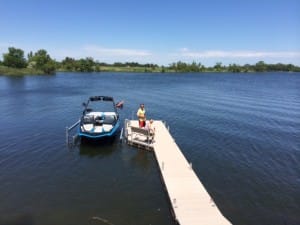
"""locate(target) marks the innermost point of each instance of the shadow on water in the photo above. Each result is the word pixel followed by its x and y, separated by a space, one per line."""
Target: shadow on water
pixel 240 133
pixel 143 159
pixel 98 148
pixel 24 219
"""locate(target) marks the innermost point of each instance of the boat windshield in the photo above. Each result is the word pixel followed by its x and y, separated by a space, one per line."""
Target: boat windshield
pixel 103 106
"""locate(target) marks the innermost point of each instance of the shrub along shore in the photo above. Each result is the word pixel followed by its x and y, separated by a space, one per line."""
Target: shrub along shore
pixel 40 62
pixel 4 70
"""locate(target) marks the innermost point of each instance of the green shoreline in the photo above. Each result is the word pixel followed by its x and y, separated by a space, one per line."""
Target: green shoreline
pixel 15 64
pixel 7 71
pixel 4 70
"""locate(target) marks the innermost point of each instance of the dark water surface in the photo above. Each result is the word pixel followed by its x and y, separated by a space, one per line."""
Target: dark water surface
pixel 240 131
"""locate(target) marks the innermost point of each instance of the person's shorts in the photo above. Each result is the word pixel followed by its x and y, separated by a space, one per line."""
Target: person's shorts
pixel 142 123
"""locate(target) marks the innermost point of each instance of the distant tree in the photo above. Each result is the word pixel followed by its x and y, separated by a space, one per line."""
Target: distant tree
pixel 104 64
pixel 14 58
pixel 194 67
pixel 29 55
pixel 247 68
pixel 40 57
pixel 131 64
pixel 234 68
pixel 260 66
pixel 218 67
pixel 186 67
pixel 42 61
pixel 49 67
pixel 86 65
pixel 201 68
pixel 119 64
pixel 69 64
pixel 291 67
pixel 181 67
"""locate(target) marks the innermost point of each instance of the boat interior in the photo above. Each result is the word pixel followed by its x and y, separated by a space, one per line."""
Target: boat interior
pixel 98 122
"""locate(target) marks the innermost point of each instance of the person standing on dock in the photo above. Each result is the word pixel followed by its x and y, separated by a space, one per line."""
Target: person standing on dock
pixel 151 128
pixel 141 114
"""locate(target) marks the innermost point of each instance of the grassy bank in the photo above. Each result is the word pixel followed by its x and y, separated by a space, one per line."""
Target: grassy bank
pixel 137 69
pixel 4 70
pixel 132 69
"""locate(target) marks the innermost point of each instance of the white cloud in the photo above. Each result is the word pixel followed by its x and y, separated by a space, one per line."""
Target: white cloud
pixel 208 58
pixel 103 54
pixel 97 52
pixel 100 51
pixel 184 52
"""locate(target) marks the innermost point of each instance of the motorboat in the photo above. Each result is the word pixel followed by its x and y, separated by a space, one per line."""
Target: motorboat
pixel 100 118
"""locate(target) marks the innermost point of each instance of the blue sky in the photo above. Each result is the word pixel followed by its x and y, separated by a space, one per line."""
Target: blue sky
pixel 161 32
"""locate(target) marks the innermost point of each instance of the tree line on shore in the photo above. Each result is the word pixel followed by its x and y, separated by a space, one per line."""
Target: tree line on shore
pixel 40 62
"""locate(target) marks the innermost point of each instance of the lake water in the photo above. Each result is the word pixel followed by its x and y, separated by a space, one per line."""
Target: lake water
pixel 240 131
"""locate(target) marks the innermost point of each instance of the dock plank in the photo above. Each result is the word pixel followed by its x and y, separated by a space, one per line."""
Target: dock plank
pixel 191 203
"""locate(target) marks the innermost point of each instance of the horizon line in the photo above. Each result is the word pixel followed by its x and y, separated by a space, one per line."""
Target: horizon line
pixel 105 54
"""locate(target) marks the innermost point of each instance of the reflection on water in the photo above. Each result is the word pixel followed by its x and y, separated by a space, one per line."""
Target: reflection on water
pixel 96 149
pixel 24 219
pixel 240 131
pixel 142 159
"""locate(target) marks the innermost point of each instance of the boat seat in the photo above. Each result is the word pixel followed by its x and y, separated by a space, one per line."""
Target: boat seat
pixel 137 131
pixel 88 119
pixel 110 119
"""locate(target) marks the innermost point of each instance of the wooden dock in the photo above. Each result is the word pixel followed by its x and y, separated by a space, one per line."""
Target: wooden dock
pixel 190 201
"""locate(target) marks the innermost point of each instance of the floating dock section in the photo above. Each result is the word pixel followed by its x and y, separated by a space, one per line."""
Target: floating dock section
pixel 189 200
